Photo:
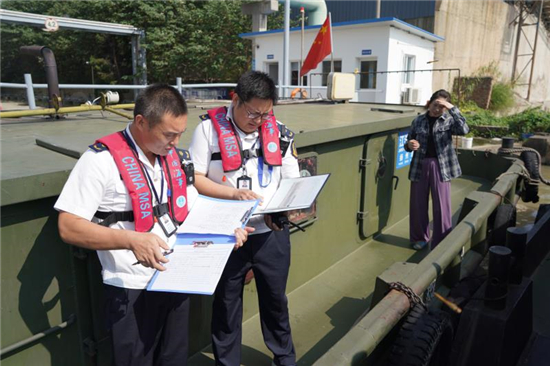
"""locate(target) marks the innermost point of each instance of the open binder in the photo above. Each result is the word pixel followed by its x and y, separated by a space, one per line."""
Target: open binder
pixel 294 194
pixel 201 253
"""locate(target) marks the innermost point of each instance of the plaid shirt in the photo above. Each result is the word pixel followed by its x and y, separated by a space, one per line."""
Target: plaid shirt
pixel 450 123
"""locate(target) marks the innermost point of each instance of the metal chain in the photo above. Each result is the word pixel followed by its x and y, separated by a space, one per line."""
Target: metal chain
pixel 414 299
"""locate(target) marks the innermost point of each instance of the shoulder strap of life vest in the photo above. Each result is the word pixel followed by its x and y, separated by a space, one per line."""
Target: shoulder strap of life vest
pixel 271 149
pixel 229 143
pixel 177 181
pixel 134 179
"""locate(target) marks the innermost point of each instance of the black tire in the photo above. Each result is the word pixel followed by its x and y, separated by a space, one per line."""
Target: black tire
pixel 531 162
pixel 505 217
pixel 425 339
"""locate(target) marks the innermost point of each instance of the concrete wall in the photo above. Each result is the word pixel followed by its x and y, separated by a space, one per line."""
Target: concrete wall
pixel 480 32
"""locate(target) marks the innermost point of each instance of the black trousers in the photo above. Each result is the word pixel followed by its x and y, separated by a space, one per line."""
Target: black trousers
pixel 147 328
pixel 269 256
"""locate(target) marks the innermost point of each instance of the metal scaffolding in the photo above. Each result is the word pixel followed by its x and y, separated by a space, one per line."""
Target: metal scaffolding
pixel 541 11
pixel 138 35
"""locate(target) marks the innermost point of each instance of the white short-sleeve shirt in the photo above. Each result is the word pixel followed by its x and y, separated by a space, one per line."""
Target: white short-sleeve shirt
pixel 95 185
pixel 205 143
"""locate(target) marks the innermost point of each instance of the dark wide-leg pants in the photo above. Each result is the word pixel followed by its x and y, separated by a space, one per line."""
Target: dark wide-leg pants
pixel 268 255
pixel 147 328
pixel 441 205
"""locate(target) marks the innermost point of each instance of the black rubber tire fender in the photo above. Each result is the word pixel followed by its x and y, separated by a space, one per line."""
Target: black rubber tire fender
pixel 505 217
pixel 531 162
pixel 425 338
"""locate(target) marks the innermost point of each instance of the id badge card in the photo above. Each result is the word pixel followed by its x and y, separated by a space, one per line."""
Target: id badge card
pixel 167 225
pixel 244 182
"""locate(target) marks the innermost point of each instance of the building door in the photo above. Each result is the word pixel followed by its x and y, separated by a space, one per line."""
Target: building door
pixel 272 70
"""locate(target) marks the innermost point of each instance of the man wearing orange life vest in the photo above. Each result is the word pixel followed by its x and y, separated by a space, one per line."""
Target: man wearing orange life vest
pixel 242 152
pixel 125 198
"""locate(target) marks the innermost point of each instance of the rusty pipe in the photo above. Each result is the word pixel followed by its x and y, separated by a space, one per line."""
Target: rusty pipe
pixel 51 69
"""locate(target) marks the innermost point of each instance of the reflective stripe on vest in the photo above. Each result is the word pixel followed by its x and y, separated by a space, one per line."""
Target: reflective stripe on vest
pixel 230 146
pixel 135 181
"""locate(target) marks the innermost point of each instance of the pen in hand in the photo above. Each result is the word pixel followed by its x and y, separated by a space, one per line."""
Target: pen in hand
pixel 165 253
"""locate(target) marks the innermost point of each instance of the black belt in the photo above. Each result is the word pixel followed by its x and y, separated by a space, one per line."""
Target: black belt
pixel 247 154
pixel 111 217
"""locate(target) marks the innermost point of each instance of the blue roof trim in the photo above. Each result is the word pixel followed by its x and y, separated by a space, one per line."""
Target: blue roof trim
pixel 419 29
pixel 352 22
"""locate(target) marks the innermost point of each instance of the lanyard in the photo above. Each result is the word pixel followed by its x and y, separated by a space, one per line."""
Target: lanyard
pixel 149 180
pixel 260 159
pixel 261 172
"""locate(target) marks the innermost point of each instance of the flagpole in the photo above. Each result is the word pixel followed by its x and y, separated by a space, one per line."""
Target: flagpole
pixel 286 50
pixel 331 44
pixel 302 50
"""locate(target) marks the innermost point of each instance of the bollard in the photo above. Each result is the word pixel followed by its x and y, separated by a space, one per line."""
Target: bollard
pixel 507 142
pixel 516 241
pixel 497 282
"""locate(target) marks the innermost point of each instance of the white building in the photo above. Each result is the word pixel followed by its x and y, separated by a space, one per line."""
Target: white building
pixel 385 44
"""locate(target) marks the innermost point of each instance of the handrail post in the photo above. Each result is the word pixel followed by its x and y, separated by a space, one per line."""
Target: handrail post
pixel 30 91
pixel 179 87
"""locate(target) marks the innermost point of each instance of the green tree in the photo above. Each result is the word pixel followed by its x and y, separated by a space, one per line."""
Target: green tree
pixel 197 40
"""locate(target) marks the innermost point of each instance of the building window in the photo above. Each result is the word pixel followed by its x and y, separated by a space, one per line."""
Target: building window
pixel 368 81
pixel 295 70
pixel 409 63
pixel 326 70
pixel 273 72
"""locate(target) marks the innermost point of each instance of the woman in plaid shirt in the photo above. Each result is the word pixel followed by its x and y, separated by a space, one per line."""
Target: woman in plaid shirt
pixel 433 166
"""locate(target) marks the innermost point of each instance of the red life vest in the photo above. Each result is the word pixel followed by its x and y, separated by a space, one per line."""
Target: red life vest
pixel 230 145
pixel 134 178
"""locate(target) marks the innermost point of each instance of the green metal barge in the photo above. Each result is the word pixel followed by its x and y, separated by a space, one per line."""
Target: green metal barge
pixel 358 232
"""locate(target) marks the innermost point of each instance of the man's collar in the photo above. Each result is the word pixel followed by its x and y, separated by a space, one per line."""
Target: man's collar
pixel 140 152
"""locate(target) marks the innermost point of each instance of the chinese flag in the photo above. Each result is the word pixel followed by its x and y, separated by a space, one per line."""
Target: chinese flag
pixel 321 48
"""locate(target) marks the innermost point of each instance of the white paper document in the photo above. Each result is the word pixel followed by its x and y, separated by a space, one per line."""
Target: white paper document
pixel 294 194
pixel 193 270
pixel 216 216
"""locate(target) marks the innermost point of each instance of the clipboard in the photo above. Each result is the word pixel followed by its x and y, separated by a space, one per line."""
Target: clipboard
pixel 197 269
pixel 195 266
pixel 217 216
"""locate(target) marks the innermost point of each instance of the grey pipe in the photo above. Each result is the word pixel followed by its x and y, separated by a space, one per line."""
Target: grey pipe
pixel 49 65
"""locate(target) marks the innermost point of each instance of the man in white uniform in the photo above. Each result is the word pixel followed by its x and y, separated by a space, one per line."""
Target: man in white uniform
pixel 252 155
pixel 124 198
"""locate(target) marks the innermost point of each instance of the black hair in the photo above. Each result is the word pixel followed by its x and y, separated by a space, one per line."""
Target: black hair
pixel 157 100
pixel 256 84
pixel 441 93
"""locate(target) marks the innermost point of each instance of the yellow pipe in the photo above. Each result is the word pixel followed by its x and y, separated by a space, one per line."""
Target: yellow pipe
pixel 64 110
pixel 119 113
pixel 122 106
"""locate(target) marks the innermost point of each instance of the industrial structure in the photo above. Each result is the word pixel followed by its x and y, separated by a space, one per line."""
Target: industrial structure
pixel 513 35
pixel 364 47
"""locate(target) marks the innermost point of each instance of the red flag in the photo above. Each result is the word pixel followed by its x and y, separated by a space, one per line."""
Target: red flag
pixel 321 48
